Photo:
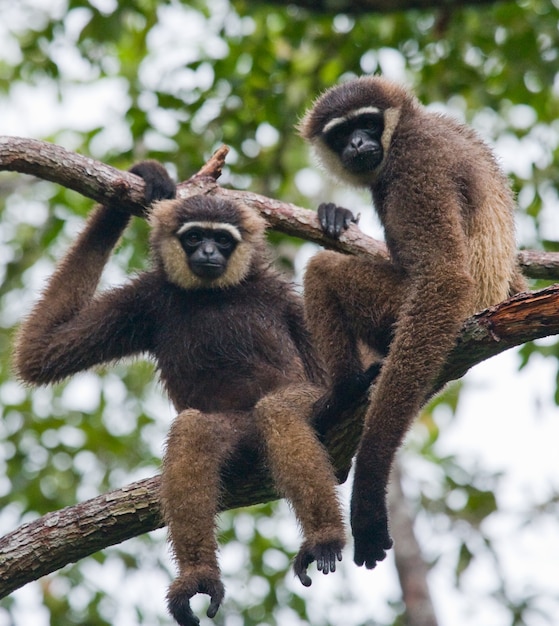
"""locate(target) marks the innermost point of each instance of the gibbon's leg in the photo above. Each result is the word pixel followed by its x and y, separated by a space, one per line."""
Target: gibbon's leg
pixel 303 474
pixel 197 447
pixel 429 321
pixel 349 299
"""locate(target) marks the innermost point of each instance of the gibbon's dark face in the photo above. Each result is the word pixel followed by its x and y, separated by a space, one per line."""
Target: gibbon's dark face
pixel 356 139
pixel 208 248
pixel 204 242
pixel 350 127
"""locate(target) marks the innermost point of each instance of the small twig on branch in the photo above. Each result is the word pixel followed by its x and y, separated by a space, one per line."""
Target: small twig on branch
pixel 56 539
pixel 214 166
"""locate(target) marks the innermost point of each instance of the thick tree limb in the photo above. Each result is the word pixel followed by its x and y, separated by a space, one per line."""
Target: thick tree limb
pixel 108 185
pixel 65 536
pixel 539 264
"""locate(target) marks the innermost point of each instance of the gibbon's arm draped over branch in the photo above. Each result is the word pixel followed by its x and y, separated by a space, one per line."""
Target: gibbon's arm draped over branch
pixel 125 513
pixel 107 185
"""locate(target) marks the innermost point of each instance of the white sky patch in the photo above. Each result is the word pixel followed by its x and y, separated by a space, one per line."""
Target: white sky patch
pixel 82 393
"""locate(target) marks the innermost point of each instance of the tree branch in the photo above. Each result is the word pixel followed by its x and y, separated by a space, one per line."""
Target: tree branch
pixel 46 544
pixel 110 186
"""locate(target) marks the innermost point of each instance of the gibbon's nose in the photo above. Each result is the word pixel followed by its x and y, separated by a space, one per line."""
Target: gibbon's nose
pixel 356 143
pixel 208 249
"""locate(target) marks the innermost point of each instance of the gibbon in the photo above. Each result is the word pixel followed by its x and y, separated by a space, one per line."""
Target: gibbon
pixel 447 213
pixel 227 334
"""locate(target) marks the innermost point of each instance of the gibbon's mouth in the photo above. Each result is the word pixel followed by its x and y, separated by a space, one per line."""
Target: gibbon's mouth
pixel 208 269
pixel 363 162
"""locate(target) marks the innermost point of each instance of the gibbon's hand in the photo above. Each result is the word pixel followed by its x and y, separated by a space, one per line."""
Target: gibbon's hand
pixel 342 396
pixel 369 526
pixel 325 555
pixel 182 589
pixel 335 219
pixel 159 185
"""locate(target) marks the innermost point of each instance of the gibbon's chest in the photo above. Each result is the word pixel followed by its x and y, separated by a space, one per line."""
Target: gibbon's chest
pixel 221 349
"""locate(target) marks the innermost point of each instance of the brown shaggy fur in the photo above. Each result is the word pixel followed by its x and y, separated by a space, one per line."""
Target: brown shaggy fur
pixel 447 212
pixel 234 357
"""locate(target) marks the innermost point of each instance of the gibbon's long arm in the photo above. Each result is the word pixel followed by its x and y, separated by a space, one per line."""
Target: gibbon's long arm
pixel 435 305
pixel 70 329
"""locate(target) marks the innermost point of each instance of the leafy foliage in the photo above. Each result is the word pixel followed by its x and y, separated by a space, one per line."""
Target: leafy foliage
pixel 173 81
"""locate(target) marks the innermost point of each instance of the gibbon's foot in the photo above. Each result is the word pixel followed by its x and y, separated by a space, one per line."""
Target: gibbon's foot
pixel 334 219
pixel 158 184
pixel 370 533
pixel 342 396
pixel 184 587
pixel 325 554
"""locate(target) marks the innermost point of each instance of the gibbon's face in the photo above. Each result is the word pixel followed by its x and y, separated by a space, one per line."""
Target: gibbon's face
pixel 356 139
pixel 350 127
pixel 204 242
pixel 208 247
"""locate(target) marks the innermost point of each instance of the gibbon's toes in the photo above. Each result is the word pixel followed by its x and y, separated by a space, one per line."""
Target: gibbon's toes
pixel 371 544
pixel 325 554
pixel 180 592
pixel 334 219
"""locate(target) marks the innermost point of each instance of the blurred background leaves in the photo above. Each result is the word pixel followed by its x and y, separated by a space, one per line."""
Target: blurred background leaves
pixel 173 81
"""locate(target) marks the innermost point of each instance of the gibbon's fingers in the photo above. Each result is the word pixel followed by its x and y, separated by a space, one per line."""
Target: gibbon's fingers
pixel 182 590
pixel 303 559
pixel 326 562
pixel 179 608
pixel 216 592
pixel 213 608
pixel 325 555
pixel 158 183
pixel 334 219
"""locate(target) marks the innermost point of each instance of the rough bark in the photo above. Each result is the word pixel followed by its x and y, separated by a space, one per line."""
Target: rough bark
pixel 108 185
pixel 62 537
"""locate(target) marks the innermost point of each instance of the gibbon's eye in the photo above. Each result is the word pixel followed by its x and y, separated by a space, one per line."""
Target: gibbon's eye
pixel 337 137
pixel 192 237
pixel 373 124
pixel 223 240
